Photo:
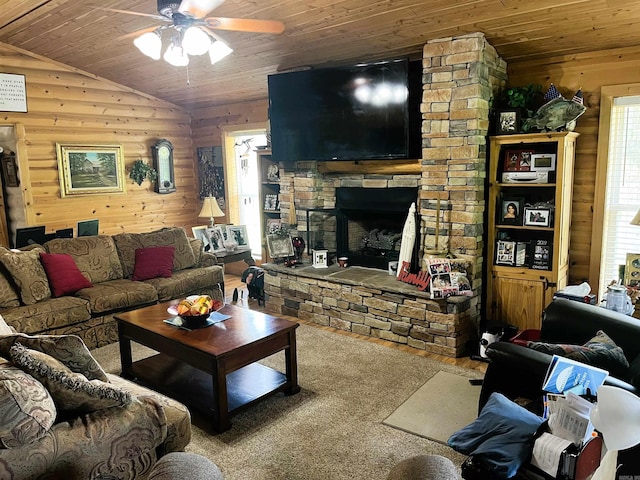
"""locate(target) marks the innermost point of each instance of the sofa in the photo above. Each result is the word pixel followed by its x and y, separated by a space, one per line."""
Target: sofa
pixel 62 416
pixel 517 368
pixel 116 273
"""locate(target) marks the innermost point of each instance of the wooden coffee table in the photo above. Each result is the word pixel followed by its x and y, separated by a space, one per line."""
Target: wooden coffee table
pixel 212 370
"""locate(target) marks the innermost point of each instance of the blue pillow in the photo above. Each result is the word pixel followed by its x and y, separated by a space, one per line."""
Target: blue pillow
pixel 502 436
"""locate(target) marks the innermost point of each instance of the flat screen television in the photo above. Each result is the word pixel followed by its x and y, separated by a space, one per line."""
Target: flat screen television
pixel 359 112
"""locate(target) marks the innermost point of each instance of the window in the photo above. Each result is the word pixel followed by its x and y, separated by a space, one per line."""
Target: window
pixel 619 200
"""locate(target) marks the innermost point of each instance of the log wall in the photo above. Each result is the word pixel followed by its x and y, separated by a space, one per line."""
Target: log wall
pixel 69 106
pixel 590 71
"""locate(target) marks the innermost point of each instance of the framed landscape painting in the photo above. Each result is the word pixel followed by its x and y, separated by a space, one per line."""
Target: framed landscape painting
pixel 90 169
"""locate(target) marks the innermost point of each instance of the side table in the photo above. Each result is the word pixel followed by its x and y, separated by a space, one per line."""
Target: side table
pixel 240 253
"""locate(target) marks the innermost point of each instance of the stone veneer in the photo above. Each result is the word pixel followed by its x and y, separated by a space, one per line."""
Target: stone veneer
pixel 460 76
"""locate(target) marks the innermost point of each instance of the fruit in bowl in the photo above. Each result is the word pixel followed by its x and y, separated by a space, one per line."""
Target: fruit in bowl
pixel 195 308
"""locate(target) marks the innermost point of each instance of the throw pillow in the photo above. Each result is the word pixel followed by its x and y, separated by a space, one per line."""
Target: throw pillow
pixel 601 351
pixel 68 349
pixel 64 276
pixel 502 436
pixel 153 262
pixel 28 274
pixel 69 390
pixel 28 411
pixel 8 294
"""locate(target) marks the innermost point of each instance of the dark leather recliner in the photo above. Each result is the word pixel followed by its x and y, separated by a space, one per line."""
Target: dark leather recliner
pixel 517 371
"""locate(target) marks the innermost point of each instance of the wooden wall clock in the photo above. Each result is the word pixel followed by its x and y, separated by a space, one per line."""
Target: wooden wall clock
pixel 163 163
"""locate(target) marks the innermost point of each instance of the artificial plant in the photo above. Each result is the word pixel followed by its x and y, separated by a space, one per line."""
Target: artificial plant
pixel 141 171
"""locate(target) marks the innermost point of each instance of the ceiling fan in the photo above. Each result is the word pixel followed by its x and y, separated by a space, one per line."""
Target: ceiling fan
pixel 190 31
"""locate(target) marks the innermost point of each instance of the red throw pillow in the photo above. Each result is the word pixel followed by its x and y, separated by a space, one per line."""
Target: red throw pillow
pixel 153 262
pixel 64 276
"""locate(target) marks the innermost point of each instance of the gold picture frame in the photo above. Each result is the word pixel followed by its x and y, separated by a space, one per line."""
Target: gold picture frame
pixel 632 270
pixel 90 169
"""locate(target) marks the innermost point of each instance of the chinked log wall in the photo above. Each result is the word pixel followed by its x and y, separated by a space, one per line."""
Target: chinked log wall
pixel 460 75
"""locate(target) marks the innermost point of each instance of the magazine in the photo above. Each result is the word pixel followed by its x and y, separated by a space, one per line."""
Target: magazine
pixel 566 375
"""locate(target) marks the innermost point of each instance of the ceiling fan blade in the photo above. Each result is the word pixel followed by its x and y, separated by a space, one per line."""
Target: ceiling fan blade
pixel 199 8
pixel 137 33
pixel 128 12
pixel 244 25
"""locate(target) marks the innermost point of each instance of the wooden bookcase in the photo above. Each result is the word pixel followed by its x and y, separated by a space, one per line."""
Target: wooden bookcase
pixel 520 286
pixel 269 171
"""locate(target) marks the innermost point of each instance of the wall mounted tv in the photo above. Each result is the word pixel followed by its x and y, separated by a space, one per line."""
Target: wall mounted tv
pixel 359 112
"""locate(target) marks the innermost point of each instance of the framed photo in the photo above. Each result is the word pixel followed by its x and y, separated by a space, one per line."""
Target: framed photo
pixel 543 162
pixel 537 217
pixel 517 160
pixel 510 211
pixel 320 258
pixel 216 238
pixel 632 270
pixel 507 121
pixel 200 233
pixel 505 252
pixel 280 246
pixel 9 170
pixel 239 234
pixel 273 225
pixel 90 169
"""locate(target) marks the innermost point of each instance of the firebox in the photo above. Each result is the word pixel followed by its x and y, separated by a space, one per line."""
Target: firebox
pixel 365 225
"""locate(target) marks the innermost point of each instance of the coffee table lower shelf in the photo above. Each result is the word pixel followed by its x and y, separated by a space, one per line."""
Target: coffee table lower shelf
pixel 193 387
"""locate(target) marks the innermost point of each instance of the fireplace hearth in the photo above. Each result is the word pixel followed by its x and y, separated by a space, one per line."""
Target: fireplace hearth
pixel 365 225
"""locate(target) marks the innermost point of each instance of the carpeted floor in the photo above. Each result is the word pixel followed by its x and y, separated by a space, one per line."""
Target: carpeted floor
pixel 333 428
pixel 424 413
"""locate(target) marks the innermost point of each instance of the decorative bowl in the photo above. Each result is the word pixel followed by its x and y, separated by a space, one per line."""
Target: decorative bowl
pixel 195 319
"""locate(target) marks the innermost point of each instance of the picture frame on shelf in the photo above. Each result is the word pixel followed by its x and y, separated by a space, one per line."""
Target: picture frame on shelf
pixel 505 252
pixel 632 270
pixel 272 225
pixel 510 210
pixel 517 160
pixel 239 234
pixel 507 121
pixel 537 217
pixel 542 254
pixel 280 246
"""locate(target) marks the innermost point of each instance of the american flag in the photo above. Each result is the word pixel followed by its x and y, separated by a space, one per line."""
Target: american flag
pixel 578 97
pixel 552 93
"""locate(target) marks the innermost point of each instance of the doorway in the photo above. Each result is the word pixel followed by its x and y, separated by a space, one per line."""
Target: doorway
pixel 242 177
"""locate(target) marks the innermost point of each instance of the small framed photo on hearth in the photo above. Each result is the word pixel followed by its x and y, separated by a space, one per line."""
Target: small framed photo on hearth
pixel 507 122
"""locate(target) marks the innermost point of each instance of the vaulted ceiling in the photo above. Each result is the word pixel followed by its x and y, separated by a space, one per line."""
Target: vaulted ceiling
pixel 317 32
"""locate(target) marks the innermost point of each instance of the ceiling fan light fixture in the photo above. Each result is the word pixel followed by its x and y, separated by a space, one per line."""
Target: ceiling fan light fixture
pixel 218 50
pixel 195 41
pixel 150 44
pixel 176 56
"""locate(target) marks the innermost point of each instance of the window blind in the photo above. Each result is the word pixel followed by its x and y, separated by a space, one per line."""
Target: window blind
pixel 622 199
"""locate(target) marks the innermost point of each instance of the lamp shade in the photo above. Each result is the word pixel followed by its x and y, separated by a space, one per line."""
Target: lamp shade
pixel 176 56
pixel 150 44
pixel 617 417
pixel 636 219
pixel 210 209
pixel 195 41
pixel 218 50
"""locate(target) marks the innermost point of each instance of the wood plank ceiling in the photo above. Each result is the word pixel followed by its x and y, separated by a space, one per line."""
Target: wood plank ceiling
pixel 317 32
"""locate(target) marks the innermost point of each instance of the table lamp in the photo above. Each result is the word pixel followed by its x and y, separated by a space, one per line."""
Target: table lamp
pixel 617 417
pixel 211 209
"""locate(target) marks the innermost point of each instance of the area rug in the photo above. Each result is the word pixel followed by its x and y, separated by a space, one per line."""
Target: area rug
pixel 442 406
pixel 333 428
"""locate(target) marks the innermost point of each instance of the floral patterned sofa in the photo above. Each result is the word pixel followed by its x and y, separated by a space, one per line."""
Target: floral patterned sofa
pixel 38 301
pixel 62 416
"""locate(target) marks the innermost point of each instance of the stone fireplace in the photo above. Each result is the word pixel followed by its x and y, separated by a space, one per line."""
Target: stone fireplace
pixel 365 225
pixel 460 76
